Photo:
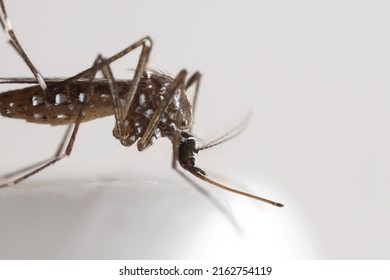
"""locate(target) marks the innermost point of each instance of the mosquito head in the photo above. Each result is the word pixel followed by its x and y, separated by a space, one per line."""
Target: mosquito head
pixel 187 151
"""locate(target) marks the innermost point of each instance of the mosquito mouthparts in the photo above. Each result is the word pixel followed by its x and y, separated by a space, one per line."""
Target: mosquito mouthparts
pixel 187 150
pixel 205 178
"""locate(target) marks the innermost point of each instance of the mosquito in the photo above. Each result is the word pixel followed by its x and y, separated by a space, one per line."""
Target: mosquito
pixel 152 105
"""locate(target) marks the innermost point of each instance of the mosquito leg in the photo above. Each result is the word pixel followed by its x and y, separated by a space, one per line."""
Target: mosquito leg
pixel 194 79
pixel 56 158
pixel 21 171
pixel 13 40
pixel 146 44
pixel 43 164
pixel 60 154
pixel 122 111
pixel 35 165
pixel 63 142
pixel 107 73
pixel 95 68
pixel 178 83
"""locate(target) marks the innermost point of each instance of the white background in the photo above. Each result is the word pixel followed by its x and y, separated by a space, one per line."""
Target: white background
pixel 314 74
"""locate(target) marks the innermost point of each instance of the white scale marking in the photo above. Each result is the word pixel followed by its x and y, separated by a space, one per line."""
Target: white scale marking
pixel 82 97
pixel 37 100
pixel 148 113
pixel 61 98
pixel 142 99
pixel 63 116
pixel 38 116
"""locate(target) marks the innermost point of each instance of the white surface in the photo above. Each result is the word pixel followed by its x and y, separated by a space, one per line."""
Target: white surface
pixel 140 220
pixel 315 75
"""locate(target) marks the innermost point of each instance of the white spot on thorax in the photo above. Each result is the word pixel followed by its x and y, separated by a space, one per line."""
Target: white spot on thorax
pixel 148 113
pixel 82 97
pixel 172 115
pixel 147 74
pixel 176 99
pixel 142 99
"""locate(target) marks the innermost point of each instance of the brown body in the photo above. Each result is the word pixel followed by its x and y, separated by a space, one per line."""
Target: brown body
pixel 151 105
pixel 61 104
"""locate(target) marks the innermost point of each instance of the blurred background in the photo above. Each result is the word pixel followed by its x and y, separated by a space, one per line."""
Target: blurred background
pixel 313 73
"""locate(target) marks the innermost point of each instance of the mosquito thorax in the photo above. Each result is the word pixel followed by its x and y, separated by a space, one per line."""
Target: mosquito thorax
pixel 151 93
